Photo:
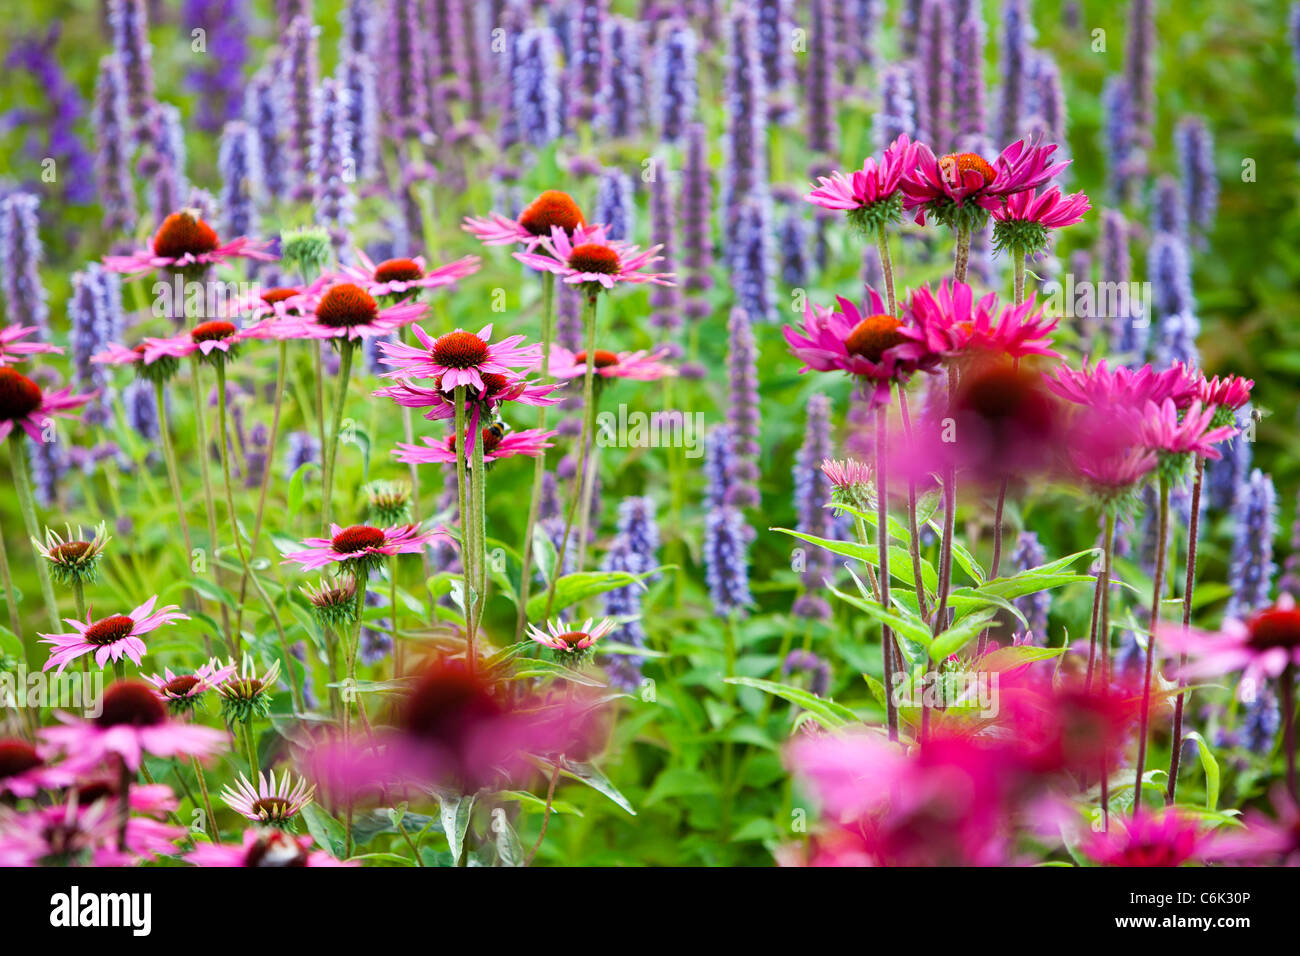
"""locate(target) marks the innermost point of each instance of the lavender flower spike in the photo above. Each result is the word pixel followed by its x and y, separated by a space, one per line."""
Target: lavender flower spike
pixel 743 411
pixel 20 259
pixel 1251 567
pixel 812 492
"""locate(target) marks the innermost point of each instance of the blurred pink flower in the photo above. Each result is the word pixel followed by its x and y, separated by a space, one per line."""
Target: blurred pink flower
pixel 25 405
pixel 642 366
pixel 264 847
pixel 1168 837
pixel 1262 646
pixel 13 349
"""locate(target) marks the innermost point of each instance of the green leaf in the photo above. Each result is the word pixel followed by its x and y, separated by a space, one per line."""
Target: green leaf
pixel 454 812
pixel 325 830
pixel 959 635
pixel 1211 767
pixel 573 588
pixel 913 630
pixel 509 851
pixel 1005 658
pixel 829 714
pixel 588 774
pixel 536 667
pixel 545 556
pixel 848 549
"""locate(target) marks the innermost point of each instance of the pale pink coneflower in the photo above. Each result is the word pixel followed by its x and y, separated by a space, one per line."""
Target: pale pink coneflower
pixel 550 210
pixel 25 405
pixel 593 261
pixel 109 638
pixel 185 242
pixel 13 349
pixel 496 445
pixel 361 544
pixel 398 277
pixel 270 803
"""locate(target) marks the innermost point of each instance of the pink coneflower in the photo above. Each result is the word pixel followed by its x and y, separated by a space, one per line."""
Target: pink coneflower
pixel 1261 646
pixel 593 261
pixel 160 368
pixel 550 210
pixel 1099 385
pixel 341 310
pixel 498 390
pixel 12 349
pixel 259 305
pixel 81 834
pixel 271 803
pixel 496 445
pixel 458 358
pixel 132 722
pixel 877 348
pixel 1163 431
pixel 26 405
pixel 361 544
pixel 186 242
pixel 182 691
pixel 960 188
pixel 397 277
pixel 24 770
pixel 1104 450
pixel 110 638
pixel 959 324
pixel 217 339
pixel 869 195
pixel 565 639
pixel 264 847
pixel 1168 837
pixel 1021 224
pixel 642 366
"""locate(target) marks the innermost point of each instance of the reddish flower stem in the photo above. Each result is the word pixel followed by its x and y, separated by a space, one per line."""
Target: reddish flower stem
pixel 1189 588
pixel 1157 586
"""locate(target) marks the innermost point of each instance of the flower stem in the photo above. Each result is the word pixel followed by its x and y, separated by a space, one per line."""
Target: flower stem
pixel 466 542
pixel 539 463
pixel 940 621
pixel 588 403
pixel 204 470
pixel 11 596
pixel 1189 589
pixel 266 472
pixel 882 540
pixel 478 485
pixel 207 799
pixel 1286 693
pixel 1157 587
pixel 169 456
pixel 887 268
pixel 921 599
pixel 298 702
pixel 23 485
pixel 962 257
pixel 332 452
pixel 1098 630
pixel 546 814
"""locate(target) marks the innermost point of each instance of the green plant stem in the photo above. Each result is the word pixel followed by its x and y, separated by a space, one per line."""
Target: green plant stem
pixel 546 814
pixel 173 476
pixel 207 799
pixel 466 539
pixel 23 485
pixel 882 550
pixel 1189 589
pixel 408 431
pixel 913 530
pixel 886 267
pixel 1097 633
pixel 351 689
pixel 267 468
pixel 539 463
pixel 11 596
pixel 961 259
pixel 588 418
pixel 1157 587
pixel 478 485
pixel 246 731
pixel 340 402
pixel 298 700
pixel 200 421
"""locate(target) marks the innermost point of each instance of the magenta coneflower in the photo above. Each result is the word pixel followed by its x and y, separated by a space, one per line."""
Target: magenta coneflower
pixel 110 638
pixel 13 349
pixel 643 366
pixel 1105 452
pixel 1261 646
pixel 1262 840
pixel 158 369
pixel 213 340
pixel 275 303
pixel 1169 837
pixel 78 833
pixel 591 260
pixel 1099 385
pixel 960 325
pixel 458 358
pixel 870 196
pixel 341 310
pixel 26 405
pixel 24 770
pixel 263 847
pixel 182 691
pixel 185 242
pixel 1022 223
pixel 397 277
pixel 959 189
pixel 271 803
pixel 550 210
pixel 1227 394
pixel 361 544
pixel 496 445
pixel 1164 431
pixel 498 390
pixel 847 473
pixel 132 722
pixel 875 347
